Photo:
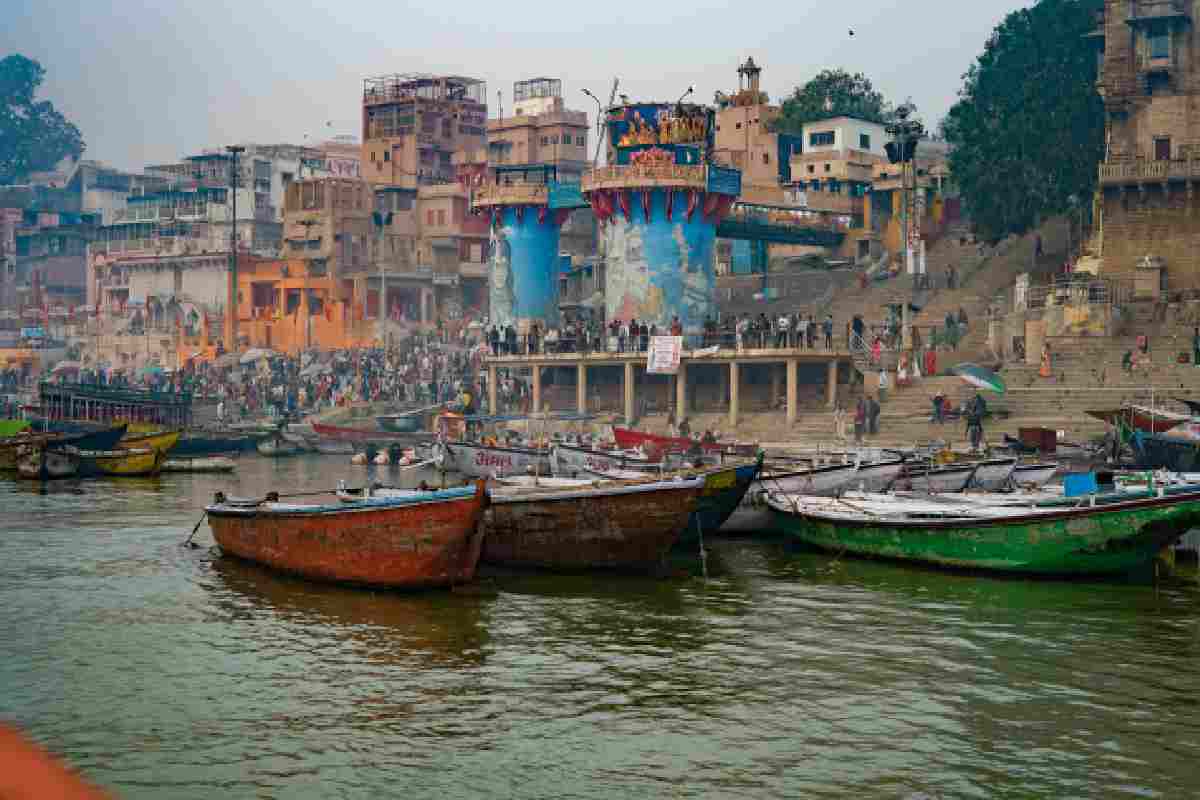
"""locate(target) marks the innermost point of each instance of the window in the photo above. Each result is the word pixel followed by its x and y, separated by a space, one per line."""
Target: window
pixel 812 168
pixel 766 158
pixel 387 156
pixel 864 141
pixel 1160 41
pixel 441 217
pixel 545 141
pixel 738 126
pixel 429 217
pixel 1162 148
pixel 827 168
pixel 822 139
pixel 554 139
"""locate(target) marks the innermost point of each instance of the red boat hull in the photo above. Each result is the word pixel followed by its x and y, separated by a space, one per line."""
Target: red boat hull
pixel 616 531
pixel 414 546
pixel 630 439
pixel 360 435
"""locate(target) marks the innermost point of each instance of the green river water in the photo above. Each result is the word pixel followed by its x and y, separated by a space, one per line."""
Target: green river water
pixel 164 672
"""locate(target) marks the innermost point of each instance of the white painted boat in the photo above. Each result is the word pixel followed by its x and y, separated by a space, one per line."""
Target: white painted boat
pixel 572 460
pixel 877 475
pixel 206 464
pixel 41 463
pixel 938 479
pixel 1033 474
pixel 993 474
pixel 483 461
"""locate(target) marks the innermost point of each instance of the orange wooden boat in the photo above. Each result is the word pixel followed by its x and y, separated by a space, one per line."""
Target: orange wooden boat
pixel 416 541
pixel 629 439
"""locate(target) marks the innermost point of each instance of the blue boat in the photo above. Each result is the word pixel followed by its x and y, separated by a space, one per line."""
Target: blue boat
pixel 723 490
pixel 201 444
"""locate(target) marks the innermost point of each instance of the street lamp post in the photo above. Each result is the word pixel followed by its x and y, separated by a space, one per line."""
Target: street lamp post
pixel 234 150
pixel 381 221
pixel 599 127
pixel 906 132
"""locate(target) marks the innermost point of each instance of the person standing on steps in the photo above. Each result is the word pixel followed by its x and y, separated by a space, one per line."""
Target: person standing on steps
pixel 828 326
pixel 860 419
pixel 873 410
pixel 976 411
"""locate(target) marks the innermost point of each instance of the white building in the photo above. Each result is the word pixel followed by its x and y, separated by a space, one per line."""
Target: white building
pixel 842 134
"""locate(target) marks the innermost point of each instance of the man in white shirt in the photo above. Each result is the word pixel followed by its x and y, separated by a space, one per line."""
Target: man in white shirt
pixel 802 332
pixel 782 333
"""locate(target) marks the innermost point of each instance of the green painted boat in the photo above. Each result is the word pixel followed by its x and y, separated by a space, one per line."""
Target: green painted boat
pixel 1095 536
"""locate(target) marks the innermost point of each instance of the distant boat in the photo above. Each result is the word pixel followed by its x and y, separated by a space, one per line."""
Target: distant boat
pixel 38 462
pixel 121 463
pixel 400 423
pixel 162 441
pixel 420 541
pixel 277 447
pixel 610 526
pixel 1141 418
pixel 205 464
pixel 631 439
pixel 203 443
pixel 344 434
pixel 1112 534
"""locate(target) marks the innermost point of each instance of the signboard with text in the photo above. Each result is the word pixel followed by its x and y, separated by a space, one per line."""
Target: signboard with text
pixel 663 357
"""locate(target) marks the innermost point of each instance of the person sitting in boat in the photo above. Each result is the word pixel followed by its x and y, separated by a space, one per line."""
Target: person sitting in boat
pixel 685 429
pixel 709 438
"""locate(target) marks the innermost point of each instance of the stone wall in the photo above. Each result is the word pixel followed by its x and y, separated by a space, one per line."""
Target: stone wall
pixel 1156 223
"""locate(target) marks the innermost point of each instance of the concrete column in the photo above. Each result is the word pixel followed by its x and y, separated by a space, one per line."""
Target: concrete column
pixel 537 389
pixel 791 391
pixel 734 380
pixel 581 388
pixel 776 380
pixel 681 408
pixel 628 393
pixel 831 384
pixel 493 390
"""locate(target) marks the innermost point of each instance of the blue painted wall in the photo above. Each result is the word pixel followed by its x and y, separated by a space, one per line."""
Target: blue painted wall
pixel 523 270
pixel 660 269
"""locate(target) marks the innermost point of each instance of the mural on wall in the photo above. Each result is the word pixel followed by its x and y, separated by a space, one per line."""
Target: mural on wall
pixel 523 268
pixel 661 268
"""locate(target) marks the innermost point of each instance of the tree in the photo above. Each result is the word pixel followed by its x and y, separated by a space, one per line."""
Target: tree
pixel 832 93
pixel 1028 129
pixel 34 136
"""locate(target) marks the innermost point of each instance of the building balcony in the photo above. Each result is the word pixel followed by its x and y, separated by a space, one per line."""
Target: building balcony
pixel 1145 12
pixel 1142 171
pixel 527 194
pixel 637 176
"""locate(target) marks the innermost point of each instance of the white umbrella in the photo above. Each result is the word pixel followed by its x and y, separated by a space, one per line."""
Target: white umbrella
pixel 254 354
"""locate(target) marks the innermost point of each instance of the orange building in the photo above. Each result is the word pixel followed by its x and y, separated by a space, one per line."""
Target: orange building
pixel 285 305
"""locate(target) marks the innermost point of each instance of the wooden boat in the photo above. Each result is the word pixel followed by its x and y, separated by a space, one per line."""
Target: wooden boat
pixel 400 423
pixel 631 440
pixel 343 434
pixel 1159 451
pixel 1115 535
pixel 327 447
pixel 1141 418
pixel 426 540
pixel 938 478
pixel 42 463
pixel 1033 474
pixel 823 480
pixel 569 460
pixel 874 476
pixel 484 461
pixel 993 473
pixel 277 447
pixel 162 441
pixel 724 490
pixel 121 463
pixel 606 527
pixel 203 443
pixel 206 464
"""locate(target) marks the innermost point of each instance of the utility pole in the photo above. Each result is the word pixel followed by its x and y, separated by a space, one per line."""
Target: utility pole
pixel 234 150
pixel 381 221
pixel 906 132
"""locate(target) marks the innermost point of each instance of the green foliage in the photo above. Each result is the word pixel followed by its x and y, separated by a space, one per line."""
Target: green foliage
pixel 1028 130
pixel 848 95
pixel 34 136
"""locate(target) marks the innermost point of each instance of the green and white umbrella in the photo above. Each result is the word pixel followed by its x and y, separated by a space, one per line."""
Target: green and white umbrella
pixel 980 377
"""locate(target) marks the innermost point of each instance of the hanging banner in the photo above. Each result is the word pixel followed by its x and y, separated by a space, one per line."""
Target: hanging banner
pixel 663 357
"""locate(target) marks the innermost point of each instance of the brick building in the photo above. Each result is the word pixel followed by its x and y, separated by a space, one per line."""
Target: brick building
pixel 1149 71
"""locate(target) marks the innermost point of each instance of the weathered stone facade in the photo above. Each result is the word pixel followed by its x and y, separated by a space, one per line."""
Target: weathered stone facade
pixel 1150 81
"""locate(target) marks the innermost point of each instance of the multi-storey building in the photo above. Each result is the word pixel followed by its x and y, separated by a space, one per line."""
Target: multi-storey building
pixel 745 138
pixel 413 125
pixel 1149 70
pixel 540 131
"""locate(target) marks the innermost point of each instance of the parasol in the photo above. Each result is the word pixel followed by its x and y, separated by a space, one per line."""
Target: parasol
pixel 980 378
pixel 254 354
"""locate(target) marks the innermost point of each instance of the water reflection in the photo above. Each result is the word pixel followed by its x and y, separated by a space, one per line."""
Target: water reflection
pixel 433 628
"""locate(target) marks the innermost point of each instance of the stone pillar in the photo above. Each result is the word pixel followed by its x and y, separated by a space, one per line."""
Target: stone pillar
pixel 581 388
pixel 792 386
pixel 493 390
pixel 681 408
pixel 537 388
pixel 734 380
pixel 831 386
pixel 628 392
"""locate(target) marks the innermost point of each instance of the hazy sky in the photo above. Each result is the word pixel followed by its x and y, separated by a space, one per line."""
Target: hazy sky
pixel 149 82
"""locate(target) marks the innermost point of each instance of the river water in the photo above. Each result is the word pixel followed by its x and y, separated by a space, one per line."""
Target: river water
pixel 161 671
